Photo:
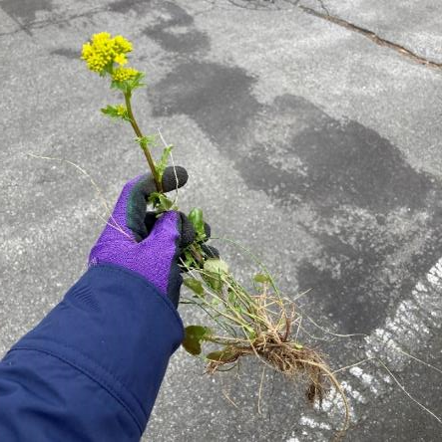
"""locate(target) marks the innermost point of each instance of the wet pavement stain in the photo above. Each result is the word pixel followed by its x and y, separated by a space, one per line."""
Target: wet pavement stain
pixel 351 164
pixel 334 163
pixel 25 11
pixel 369 205
pixel 177 15
pixel 181 42
pixel 177 33
pixel 217 97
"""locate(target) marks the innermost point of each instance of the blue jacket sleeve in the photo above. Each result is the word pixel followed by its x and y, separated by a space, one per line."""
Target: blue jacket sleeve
pixel 91 370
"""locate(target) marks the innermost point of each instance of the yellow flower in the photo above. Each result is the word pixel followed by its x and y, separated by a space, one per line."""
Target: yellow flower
pixel 103 50
pixel 122 44
pixel 124 74
pixel 121 110
pixel 120 59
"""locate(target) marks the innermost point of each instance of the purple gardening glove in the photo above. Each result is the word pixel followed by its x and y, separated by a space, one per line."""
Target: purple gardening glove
pixel 137 241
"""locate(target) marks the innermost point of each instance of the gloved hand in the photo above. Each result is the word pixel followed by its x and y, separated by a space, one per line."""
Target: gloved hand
pixel 138 241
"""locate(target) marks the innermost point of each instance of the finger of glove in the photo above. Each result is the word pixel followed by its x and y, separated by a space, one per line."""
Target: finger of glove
pixel 187 232
pixel 173 178
pixel 186 228
pixel 130 210
pixel 210 251
pixel 207 231
pixel 149 221
pixel 162 245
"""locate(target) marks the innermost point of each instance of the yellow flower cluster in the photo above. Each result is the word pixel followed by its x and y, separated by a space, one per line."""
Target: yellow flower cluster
pixel 103 50
pixel 124 74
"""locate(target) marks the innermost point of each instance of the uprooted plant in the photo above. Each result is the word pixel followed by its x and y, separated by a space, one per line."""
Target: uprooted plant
pixel 258 322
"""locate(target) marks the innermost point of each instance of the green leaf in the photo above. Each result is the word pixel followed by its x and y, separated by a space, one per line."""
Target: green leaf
pixel 160 202
pixel 123 86
pixel 194 285
pixel 261 278
pixel 154 199
pixel 196 218
pixel 162 164
pixel 129 85
pixel 110 110
pixel 214 270
pixel 216 266
pixel 118 111
pixel 165 203
pixel 194 335
pixel 135 82
pixel 148 141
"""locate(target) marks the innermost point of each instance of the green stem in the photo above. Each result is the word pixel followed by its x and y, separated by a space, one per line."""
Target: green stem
pixel 145 149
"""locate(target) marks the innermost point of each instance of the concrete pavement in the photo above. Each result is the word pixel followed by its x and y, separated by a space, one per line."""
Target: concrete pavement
pixel 306 141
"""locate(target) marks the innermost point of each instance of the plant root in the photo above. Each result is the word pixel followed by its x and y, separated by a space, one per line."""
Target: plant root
pixel 290 359
pixel 261 324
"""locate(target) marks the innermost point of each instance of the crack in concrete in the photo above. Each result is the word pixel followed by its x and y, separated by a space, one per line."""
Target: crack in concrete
pixel 401 50
pixel 261 5
pixel 22 28
pixel 323 7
